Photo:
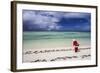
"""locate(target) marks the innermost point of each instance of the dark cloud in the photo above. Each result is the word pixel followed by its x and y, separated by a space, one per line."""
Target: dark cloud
pixel 34 20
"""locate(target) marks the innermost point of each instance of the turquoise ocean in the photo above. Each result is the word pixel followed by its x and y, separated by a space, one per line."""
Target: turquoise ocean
pixel 38 40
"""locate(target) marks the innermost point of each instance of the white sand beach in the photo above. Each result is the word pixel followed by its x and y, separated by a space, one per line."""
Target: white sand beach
pixel 55 46
pixel 55 54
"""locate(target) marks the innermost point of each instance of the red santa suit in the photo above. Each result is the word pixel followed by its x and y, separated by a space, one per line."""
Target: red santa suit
pixel 76 44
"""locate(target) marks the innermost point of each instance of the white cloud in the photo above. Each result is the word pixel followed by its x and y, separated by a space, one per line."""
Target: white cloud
pixel 76 15
pixel 41 19
pixel 28 15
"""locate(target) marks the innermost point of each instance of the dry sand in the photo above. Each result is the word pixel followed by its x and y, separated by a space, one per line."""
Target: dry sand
pixel 55 54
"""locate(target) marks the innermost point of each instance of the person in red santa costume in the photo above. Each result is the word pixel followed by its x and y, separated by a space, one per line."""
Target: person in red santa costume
pixel 75 45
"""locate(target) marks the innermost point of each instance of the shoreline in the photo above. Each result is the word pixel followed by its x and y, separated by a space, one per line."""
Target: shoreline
pixel 53 50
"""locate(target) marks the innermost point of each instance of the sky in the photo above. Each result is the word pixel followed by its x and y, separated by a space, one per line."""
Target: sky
pixel 39 20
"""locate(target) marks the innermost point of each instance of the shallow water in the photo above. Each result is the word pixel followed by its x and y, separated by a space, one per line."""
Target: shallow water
pixel 33 40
